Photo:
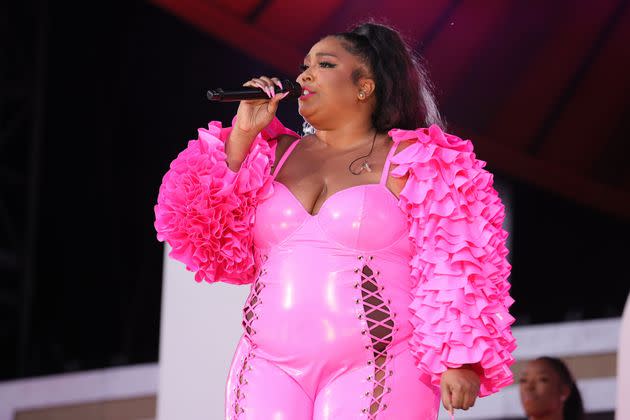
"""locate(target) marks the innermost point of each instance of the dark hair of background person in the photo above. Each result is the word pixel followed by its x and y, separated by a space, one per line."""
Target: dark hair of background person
pixel 573 407
pixel 404 94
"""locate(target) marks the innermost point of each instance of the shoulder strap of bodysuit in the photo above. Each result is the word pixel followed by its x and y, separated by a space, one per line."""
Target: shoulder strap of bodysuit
pixel 284 157
pixel 387 162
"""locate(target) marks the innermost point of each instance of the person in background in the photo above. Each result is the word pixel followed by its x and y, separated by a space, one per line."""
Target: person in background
pixel 549 392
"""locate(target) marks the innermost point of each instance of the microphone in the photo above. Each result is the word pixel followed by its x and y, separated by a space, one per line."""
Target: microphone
pixel 246 93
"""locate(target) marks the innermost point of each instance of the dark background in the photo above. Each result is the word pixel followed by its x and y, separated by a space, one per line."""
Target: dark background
pixel 96 100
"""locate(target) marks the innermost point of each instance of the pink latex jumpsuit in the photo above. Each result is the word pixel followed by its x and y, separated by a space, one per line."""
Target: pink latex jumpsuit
pixel 335 325
pixel 326 324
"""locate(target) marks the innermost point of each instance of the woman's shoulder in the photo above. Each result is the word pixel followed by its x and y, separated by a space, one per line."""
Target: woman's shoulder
pixel 283 141
pixel 434 136
pixel 432 147
pixel 434 155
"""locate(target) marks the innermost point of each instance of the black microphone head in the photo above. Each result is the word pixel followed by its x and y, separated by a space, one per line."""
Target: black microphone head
pixel 293 87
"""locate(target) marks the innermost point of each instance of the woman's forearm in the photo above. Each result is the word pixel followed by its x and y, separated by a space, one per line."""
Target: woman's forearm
pixel 237 146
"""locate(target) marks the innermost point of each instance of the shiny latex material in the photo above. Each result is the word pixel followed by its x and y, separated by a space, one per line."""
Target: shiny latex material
pixel 326 325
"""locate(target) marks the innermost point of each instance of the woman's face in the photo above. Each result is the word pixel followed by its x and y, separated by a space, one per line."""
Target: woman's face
pixel 542 391
pixel 327 75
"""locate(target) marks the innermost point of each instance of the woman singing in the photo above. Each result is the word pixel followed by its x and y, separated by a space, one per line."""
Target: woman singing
pixel 374 248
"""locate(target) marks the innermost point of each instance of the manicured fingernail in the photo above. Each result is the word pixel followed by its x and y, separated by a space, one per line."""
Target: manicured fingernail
pixel 267 91
pixel 273 91
pixel 280 83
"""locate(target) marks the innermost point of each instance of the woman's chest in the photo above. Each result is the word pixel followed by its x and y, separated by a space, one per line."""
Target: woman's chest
pixel 313 178
pixel 364 217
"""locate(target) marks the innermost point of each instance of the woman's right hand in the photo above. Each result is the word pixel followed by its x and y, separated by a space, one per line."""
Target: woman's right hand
pixel 254 115
pixel 251 118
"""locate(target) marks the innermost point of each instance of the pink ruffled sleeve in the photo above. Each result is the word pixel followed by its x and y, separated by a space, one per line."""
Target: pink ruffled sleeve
pixel 205 210
pixel 461 297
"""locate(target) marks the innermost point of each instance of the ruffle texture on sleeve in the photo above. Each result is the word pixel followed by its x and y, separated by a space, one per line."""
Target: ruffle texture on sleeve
pixel 461 293
pixel 205 210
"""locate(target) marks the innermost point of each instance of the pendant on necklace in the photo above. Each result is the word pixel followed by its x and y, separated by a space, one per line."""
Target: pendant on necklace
pixel 366 166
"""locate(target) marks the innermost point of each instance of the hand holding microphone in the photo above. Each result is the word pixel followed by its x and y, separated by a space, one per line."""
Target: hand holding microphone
pixel 259 101
pixel 257 108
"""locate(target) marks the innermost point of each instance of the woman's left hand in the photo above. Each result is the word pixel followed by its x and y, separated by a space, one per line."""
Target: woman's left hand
pixel 460 388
